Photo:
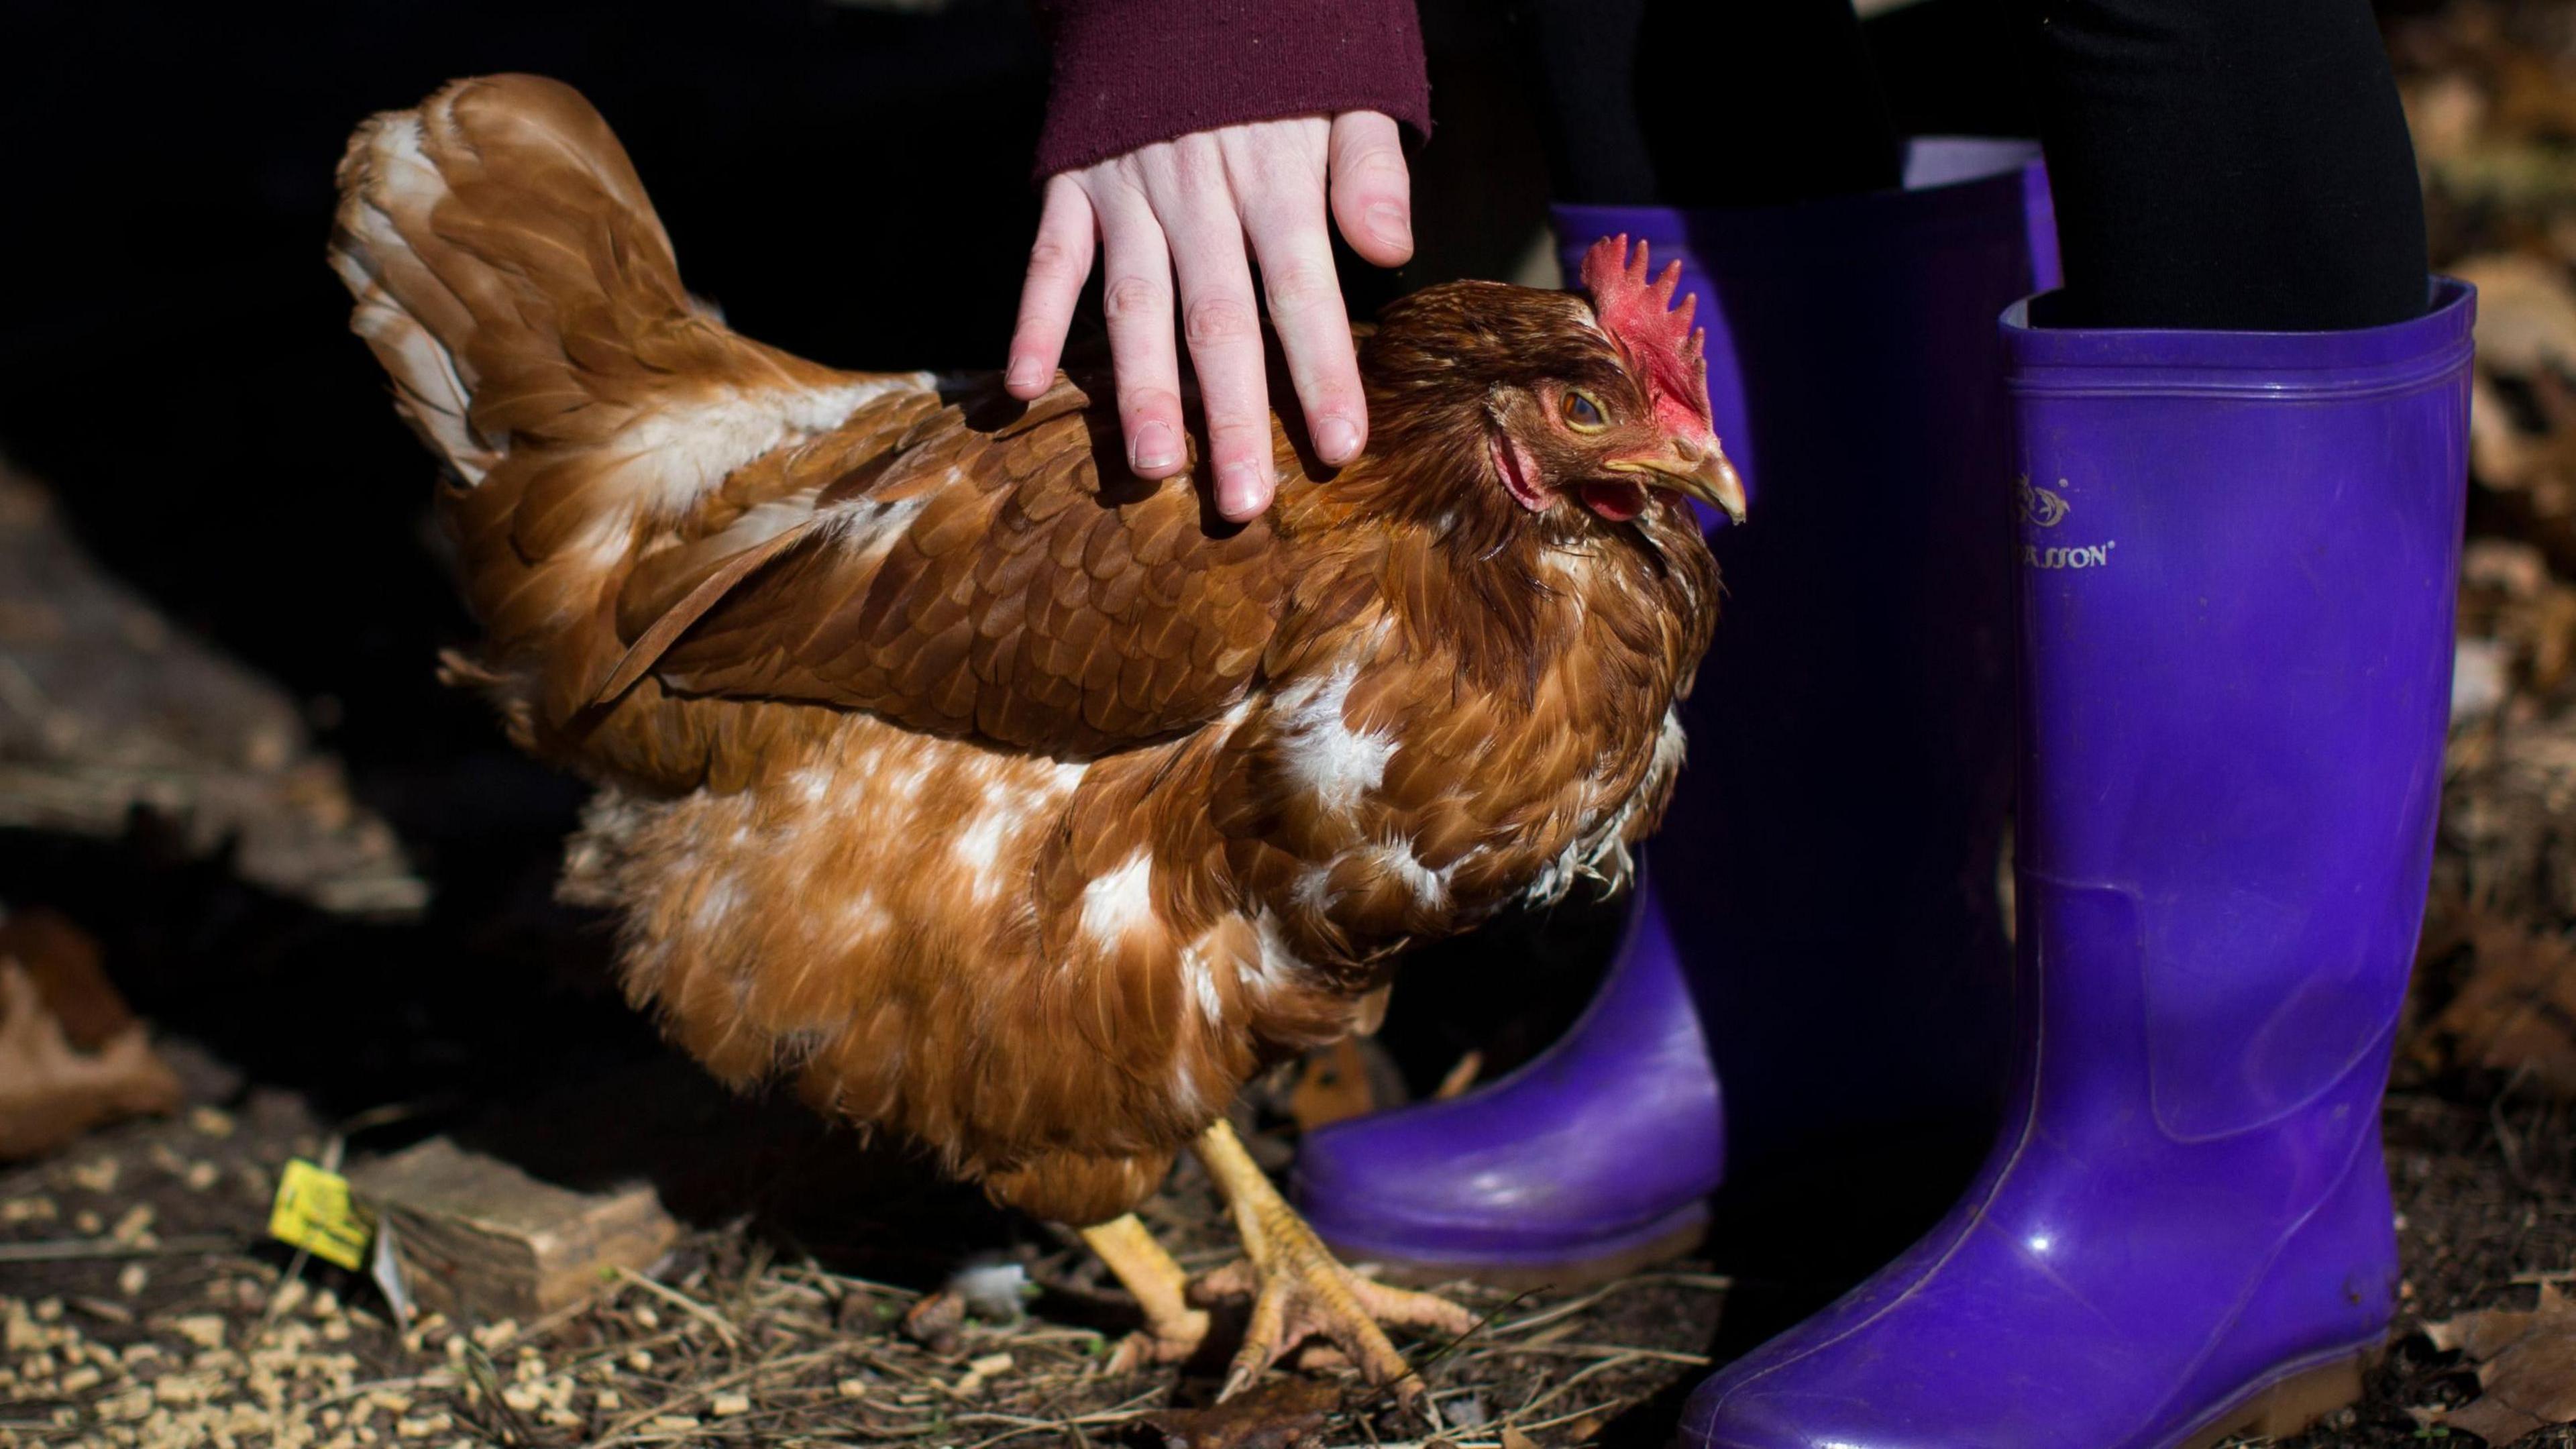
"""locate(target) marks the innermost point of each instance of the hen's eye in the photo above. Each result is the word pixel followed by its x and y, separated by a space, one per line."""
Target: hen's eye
pixel 1582 412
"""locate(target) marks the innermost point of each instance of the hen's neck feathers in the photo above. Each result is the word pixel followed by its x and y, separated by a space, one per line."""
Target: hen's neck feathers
pixel 1422 522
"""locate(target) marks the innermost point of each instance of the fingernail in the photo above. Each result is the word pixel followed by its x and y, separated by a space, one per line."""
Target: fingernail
pixel 1390 224
pixel 1155 446
pixel 1335 439
pixel 1238 489
pixel 1024 372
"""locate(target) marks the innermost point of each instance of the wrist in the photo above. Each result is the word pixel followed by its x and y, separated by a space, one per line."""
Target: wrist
pixel 1129 73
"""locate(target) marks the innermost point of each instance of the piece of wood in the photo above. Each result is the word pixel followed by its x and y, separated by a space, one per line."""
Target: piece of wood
pixel 109 711
pixel 480 1237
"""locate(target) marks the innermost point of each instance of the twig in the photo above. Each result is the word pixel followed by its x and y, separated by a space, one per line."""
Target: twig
pixel 1711 1282
pixel 1597 1350
pixel 1606 1406
pixel 434 1379
pixel 1513 1418
pixel 1022 1424
pixel 65 1250
pixel 685 1304
pixel 864 1285
pixel 698 1392
pixel 1454 1442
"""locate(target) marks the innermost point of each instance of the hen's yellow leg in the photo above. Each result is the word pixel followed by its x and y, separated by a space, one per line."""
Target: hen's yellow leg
pixel 1297 1288
pixel 1172 1327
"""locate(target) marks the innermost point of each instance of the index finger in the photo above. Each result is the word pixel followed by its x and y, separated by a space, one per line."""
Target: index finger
pixel 1059 263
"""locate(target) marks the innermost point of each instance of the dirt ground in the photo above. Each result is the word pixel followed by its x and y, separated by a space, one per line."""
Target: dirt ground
pixel 315 1003
pixel 179 1325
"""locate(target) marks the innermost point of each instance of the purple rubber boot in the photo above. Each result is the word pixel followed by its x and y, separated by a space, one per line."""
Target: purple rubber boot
pixel 1604 1149
pixel 2238 555
pixel 1828 868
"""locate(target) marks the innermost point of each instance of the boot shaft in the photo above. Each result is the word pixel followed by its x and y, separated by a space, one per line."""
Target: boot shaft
pixel 2237 562
pixel 1835 839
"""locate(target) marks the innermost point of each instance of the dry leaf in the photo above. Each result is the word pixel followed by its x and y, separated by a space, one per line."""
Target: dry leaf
pixel 1587 1428
pixel 1332 1085
pixel 2517 1009
pixel 936 1321
pixel 1280 1414
pixel 2526 1364
pixel 2522 408
pixel 2509 596
pixel 2526 313
pixel 69 974
pixel 71 1055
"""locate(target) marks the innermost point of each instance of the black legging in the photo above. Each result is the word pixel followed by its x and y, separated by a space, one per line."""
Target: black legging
pixel 2226 164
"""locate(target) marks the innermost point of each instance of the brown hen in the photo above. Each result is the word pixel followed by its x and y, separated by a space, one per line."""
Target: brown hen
pixel 991 795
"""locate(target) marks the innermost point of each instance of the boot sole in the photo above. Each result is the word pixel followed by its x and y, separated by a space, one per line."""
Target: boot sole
pixel 1537 1277
pixel 2290 1403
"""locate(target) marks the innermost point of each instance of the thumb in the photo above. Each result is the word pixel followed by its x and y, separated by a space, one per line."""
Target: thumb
pixel 1372 190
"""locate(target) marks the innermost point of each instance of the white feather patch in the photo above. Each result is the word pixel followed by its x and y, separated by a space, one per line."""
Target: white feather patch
pixel 716 904
pixel 435 392
pixel 871 525
pixel 863 915
pixel 675 453
pixel 1200 976
pixel 1276 965
pixel 1599 850
pixel 1335 762
pixel 1430 887
pixel 1121 901
pixel 979 845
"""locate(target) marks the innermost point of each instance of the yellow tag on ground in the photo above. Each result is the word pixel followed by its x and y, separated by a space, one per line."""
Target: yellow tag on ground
pixel 315 1212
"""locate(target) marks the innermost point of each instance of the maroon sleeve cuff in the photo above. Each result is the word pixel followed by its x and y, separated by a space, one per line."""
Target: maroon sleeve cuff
pixel 1132 72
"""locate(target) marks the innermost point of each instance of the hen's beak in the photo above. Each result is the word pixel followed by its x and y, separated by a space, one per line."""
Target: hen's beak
pixel 1693 470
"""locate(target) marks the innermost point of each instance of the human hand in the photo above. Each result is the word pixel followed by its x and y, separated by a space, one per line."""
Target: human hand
pixel 1186 207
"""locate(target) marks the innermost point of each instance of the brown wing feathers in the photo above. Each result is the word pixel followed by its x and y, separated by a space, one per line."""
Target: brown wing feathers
pixel 984 585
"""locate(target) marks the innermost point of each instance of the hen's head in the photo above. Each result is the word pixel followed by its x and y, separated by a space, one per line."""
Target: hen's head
pixel 1561 412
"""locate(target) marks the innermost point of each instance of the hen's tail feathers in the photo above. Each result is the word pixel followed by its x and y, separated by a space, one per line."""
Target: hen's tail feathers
pixel 512 277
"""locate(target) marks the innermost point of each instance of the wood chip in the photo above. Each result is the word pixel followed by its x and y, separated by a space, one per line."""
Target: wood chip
pixel 479 1236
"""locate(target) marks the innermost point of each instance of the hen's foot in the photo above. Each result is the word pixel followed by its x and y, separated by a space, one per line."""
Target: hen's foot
pixel 1299 1291
pixel 1173 1329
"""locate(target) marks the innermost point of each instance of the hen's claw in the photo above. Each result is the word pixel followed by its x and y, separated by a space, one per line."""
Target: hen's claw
pixel 1149 1346
pixel 1298 1290
pixel 1306 1294
pixel 1173 1329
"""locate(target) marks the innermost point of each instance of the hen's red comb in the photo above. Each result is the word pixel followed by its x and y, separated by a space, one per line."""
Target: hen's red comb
pixel 1656 336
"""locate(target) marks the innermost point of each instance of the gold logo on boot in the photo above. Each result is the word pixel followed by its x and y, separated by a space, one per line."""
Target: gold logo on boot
pixel 2043 508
